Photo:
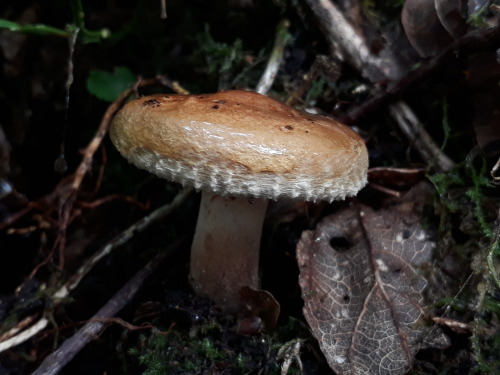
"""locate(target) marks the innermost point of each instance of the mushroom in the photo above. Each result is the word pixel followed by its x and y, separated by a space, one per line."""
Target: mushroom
pixel 240 149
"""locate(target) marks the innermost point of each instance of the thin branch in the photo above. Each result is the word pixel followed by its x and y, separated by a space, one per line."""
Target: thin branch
pixel 347 44
pixel 419 139
pixel 163 9
pixel 53 363
pixel 69 192
pixel 24 335
pixel 132 327
pixel 275 59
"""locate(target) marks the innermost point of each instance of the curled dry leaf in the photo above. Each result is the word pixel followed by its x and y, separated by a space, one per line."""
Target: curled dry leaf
pixel 423 28
pixel 452 16
pixel 262 304
pixel 362 295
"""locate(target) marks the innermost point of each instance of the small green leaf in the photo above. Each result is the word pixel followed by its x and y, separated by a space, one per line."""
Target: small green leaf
pixel 39 29
pixel 13 26
pixel 108 86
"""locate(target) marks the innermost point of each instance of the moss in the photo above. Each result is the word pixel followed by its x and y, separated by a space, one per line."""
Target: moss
pixel 476 194
pixel 477 19
pixel 204 348
pixel 467 209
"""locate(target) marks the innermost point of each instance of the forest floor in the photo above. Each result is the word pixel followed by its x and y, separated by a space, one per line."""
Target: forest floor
pixel 94 252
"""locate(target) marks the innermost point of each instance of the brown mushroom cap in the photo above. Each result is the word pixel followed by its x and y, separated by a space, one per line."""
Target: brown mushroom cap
pixel 241 143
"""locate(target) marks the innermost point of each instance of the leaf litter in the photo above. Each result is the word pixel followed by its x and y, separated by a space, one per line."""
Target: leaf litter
pixel 361 289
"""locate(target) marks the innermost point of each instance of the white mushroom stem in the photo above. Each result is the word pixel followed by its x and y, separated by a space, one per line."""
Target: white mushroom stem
pixel 225 249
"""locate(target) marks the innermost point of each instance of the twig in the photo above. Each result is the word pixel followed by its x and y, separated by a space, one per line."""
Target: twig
pixel 129 326
pixel 111 198
pixel 348 45
pixel 173 85
pixel 60 164
pixel 420 140
pixel 72 346
pixel 275 59
pixel 94 144
pixel 454 325
pixel 494 171
pixel 163 9
pixel 341 34
pixel 23 335
pixel 69 192
pixel 132 327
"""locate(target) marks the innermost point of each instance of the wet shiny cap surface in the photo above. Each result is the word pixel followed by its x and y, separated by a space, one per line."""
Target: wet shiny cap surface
pixel 241 143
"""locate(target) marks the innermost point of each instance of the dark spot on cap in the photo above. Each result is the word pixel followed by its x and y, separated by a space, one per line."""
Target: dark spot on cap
pixel 287 128
pixel 151 103
pixel 215 106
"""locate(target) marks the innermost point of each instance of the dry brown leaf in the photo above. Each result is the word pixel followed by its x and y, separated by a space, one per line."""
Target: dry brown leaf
pixel 423 28
pixel 261 303
pixel 395 178
pixel 362 295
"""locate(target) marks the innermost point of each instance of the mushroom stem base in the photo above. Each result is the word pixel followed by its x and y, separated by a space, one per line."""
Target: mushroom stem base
pixel 225 249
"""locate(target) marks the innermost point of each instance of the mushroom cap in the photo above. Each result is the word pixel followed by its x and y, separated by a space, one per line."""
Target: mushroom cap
pixel 241 143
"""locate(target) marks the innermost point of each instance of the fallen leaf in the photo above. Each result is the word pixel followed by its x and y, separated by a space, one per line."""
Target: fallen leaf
pixel 423 28
pixel 262 304
pixel 362 295
pixel 396 178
